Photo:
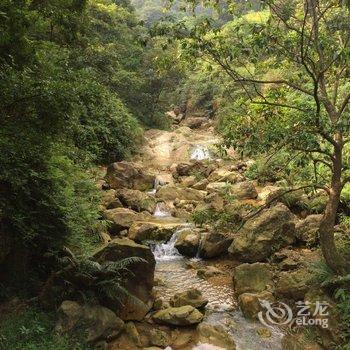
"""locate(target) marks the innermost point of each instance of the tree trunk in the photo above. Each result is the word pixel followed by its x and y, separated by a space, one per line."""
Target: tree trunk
pixel 330 252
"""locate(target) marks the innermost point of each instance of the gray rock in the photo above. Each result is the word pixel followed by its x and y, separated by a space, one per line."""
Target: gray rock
pixel 252 278
pixel 97 322
pixel 129 175
pixel 264 234
pixel 187 242
pixel 214 244
pixel 244 190
pixel 139 284
pixel 307 229
pixel 250 303
pixel 178 316
pixel 191 297
pixel 136 200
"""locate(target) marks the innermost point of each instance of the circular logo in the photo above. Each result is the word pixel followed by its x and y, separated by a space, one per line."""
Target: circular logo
pixel 275 314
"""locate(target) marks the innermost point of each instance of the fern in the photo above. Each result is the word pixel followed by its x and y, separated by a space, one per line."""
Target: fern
pixel 322 272
pixel 117 266
pixel 100 281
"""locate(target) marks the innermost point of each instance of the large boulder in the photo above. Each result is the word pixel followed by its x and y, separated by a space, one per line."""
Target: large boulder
pixel 136 200
pixel 264 234
pixel 214 202
pixel 307 229
pixel 195 122
pixel 201 184
pixel 225 175
pixel 109 200
pixel 191 297
pixel 178 316
pixel 238 211
pixel 250 303
pixel 163 179
pixel 215 335
pixel 244 190
pixel 132 333
pixel 332 334
pixel 170 193
pixel 271 194
pixel 214 244
pixel 252 278
pixel 187 242
pixel 293 284
pixel 153 231
pixel 188 181
pixel 129 175
pixel 220 187
pixel 121 218
pixel 94 321
pixel 140 281
pixel 292 259
pixel 195 167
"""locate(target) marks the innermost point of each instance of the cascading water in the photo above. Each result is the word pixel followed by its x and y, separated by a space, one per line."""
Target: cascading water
pixel 156 184
pixel 161 211
pixel 167 251
pixel 221 310
pixel 200 152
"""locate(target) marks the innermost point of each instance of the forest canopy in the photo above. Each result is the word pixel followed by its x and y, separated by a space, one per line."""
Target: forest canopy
pixel 85 84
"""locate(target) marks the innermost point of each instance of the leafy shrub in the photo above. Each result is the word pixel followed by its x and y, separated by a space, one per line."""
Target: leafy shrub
pixel 105 129
pixel 32 329
pixel 223 220
pixel 201 217
pixel 265 171
pixel 296 200
pixel 86 280
pixel 343 304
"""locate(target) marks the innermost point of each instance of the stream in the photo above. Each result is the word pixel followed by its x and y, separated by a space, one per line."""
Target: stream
pixel 222 308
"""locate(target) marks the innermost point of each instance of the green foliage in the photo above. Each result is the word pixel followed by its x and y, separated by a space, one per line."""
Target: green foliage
pixel 222 220
pixel 76 78
pixel 97 282
pixel 201 217
pixel 32 329
pixel 345 195
pixel 342 236
pixel 322 273
pixel 343 304
pixel 265 170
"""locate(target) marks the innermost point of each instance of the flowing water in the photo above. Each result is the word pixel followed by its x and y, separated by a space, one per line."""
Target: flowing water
pixel 166 251
pixel 172 269
pixel 221 309
pixel 200 152
pixel 161 211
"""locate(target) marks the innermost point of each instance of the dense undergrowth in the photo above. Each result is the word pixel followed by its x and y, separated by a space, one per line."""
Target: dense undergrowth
pixel 32 329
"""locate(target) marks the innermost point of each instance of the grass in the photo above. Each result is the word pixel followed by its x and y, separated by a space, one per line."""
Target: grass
pixel 32 329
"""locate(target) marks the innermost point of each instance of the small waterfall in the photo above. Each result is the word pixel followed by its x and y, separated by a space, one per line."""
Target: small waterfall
pixel 161 211
pixel 167 251
pixel 158 181
pixel 156 184
pixel 200 153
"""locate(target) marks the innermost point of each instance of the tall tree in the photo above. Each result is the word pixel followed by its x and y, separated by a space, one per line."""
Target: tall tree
pixel 293 63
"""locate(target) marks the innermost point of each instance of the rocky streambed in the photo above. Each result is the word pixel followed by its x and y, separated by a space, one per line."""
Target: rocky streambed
pixel 207 263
